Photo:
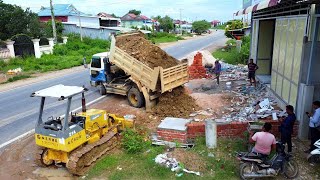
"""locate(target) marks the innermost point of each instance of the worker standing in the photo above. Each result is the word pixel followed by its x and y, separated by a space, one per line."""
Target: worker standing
pixel 286 127
pixel 217 70
pixel 314 125
pixel 252 67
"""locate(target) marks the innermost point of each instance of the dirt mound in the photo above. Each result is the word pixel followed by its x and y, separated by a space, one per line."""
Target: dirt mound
pixel 143 50
pixel 175 104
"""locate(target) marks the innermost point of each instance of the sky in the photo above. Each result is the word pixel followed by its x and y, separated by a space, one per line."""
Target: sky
pixel 191 10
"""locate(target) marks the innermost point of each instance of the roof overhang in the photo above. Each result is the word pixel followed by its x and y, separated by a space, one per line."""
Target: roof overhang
pixel 59 91
pixel 262 5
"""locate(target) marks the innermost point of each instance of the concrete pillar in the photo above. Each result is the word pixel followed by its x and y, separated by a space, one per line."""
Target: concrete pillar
pixel 51 44
pixel 65 39
pixel 239 43
pixel 211 133
pixel 305 99
pixel 36 46
pixel 11 48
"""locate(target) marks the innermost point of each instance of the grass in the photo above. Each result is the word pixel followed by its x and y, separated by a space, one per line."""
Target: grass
pixel 142 166
pixel 163 37
pixel 230 56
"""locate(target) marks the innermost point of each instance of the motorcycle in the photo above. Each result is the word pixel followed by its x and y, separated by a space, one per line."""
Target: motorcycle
pixel 255 165
pixel 314 156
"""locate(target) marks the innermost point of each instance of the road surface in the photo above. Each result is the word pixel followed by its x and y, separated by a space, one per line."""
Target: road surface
pixel 18 111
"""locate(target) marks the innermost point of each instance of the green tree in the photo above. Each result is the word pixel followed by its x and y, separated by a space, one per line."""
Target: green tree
pixel 14 20
pixel 48 28
pixel 232 25
pixel 166 23
pixel 200 26
pixel 136 12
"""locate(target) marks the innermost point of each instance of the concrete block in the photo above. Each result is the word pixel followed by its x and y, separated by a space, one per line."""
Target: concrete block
pixel 177 124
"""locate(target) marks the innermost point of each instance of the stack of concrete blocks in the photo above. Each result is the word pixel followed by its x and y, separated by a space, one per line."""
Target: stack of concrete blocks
pixel 196 70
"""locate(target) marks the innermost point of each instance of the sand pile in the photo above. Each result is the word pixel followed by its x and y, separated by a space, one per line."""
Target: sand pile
pixel 143 50
pixel 175 104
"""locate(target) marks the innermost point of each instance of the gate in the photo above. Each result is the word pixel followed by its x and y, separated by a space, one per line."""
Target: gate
pixel 23 45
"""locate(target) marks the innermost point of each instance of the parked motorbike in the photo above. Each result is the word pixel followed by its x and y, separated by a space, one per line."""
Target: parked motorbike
pixel 253 165
pixel 314 156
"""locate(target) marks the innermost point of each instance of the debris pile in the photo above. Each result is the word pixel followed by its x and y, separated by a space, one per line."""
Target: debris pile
pixel 207 57
pixel 176 103
pixel 144 51
pixel 173 164
pixel 14 71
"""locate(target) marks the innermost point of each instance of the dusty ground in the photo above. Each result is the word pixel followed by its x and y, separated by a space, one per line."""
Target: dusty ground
pixel 38 77
pixel 145 52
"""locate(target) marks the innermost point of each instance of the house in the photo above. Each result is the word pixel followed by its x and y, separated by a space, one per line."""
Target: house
pixel 285 43
pixel 61 12
pixel 129 20
pixel 215 23
pixel 107 20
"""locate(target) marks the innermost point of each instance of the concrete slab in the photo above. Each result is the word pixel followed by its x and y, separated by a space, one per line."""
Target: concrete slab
pixel 178 124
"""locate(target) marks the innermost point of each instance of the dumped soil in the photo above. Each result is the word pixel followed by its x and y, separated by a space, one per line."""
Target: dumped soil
pixel 143 50
pixel 191 160
pixel 176 103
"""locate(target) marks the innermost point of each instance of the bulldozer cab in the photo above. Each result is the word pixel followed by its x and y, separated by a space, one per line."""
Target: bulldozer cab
pixel 62 93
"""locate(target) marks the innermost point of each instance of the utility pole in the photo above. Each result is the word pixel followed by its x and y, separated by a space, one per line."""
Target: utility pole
pixel 53 23
pixel 180 22
pixel 80 25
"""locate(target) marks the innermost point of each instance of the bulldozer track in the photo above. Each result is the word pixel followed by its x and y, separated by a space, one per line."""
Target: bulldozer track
pixel 82 158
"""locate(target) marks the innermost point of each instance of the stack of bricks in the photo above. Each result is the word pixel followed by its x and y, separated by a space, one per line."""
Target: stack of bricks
pixel 172 135
pixel 173 130
pixel 196 70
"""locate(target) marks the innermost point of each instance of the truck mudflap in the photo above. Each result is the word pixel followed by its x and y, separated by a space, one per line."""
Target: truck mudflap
pixel 173 77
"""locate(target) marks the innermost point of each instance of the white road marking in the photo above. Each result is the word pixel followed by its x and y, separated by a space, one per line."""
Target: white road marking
pixel 32 131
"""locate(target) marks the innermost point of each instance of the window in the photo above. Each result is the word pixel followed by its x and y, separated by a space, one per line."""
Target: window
pixel 96 62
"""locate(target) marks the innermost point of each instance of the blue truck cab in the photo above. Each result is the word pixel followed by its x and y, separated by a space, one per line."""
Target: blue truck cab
pixel 97 69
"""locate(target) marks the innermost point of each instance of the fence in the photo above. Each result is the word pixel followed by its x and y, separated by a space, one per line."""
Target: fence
pixel 4 53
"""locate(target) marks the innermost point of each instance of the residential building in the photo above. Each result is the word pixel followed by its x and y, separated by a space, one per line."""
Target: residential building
pixel 215 23
pixel 61 12
pixel 285 43
pixel 131 20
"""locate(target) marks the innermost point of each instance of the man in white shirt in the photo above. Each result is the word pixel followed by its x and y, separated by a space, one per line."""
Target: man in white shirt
pixel 314 124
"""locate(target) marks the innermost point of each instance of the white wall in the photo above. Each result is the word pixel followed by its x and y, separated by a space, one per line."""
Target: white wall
pixel 86 21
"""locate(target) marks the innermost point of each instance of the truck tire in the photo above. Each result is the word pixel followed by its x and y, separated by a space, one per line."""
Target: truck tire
pixel 135 98
pixel 102 90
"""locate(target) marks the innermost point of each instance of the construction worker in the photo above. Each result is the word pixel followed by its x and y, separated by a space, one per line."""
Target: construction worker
pixel 217 70
pixel 252 67
pixel 286 127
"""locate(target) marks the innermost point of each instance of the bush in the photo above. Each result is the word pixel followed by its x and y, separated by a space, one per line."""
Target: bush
pixel 132 141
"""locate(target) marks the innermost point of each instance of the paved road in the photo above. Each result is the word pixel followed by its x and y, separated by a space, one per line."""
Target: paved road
pixel 18 111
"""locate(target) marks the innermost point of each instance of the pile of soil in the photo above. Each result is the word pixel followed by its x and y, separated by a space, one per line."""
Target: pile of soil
pixel 191 160
pixel 144 51
pixel 175 104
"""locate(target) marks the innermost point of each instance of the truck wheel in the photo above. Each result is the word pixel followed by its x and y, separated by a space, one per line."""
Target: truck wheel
pixel 102 90
pixel 135 98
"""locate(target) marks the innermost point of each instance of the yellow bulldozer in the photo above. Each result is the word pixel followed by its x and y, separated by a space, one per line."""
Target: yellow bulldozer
pixel 76 140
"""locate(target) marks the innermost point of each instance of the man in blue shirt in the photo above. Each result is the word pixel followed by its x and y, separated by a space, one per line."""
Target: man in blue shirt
pixel 314 124
pixel 217 70
pixel 286 127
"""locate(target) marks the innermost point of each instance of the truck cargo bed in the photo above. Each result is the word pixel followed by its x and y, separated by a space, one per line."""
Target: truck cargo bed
pixel 169 78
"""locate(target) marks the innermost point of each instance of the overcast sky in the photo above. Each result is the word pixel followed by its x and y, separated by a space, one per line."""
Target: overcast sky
pixel 190 9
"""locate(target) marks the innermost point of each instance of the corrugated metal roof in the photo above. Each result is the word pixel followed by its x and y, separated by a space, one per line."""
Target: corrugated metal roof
pixel 59 10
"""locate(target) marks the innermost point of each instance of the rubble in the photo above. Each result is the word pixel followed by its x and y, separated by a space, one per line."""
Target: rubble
pixel 173 164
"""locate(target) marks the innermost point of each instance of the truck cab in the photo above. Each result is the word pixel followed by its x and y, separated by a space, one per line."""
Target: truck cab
pixel 97 69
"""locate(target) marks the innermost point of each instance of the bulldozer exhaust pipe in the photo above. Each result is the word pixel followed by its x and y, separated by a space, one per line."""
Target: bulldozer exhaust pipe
pixel 83 101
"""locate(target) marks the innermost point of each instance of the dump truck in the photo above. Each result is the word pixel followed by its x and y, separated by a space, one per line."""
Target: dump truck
pixel 78 139
pixel 129 77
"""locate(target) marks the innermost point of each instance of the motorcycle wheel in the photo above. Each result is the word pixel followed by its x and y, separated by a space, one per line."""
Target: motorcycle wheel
pixel 314 158
pixel 290 169
pixel 247 168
